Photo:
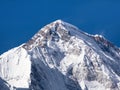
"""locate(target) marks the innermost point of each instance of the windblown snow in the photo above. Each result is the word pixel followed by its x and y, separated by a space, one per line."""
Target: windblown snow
pixel 61 57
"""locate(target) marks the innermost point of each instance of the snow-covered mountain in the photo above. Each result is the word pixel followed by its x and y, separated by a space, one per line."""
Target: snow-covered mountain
pixel 61 57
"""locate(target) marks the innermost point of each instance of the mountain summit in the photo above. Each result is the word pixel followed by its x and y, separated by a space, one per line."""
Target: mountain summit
pixel 61 57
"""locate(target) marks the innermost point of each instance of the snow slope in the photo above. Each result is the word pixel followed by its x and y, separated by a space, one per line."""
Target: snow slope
pixel 62 57
pixel 15 67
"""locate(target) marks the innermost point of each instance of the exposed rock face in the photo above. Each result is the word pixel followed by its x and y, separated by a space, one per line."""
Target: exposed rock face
pixel 61 57
pixel 3 85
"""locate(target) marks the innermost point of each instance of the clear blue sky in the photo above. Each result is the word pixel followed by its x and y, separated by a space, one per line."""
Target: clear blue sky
pixel 21 19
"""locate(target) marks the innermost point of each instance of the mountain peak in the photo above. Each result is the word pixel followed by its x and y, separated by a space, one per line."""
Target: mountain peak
pixel 58 21
pixel 57 30
pixel 61 57
pixel 60 30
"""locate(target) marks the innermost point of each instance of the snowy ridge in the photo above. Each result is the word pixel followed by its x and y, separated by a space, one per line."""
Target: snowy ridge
pixel 62 57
